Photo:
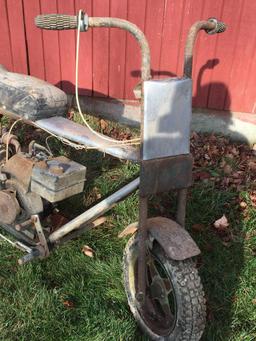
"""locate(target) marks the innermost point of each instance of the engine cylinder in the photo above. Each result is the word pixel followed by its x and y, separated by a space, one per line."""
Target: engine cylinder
pixel 9 207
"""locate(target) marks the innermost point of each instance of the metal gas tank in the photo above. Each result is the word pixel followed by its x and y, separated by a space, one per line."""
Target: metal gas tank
pixel 167 117
pixel 58 178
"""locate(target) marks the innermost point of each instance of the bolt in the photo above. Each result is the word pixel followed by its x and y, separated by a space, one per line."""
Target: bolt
pixel 140 297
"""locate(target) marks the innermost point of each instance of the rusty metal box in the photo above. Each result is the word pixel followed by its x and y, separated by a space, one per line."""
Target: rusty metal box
pixel 57 179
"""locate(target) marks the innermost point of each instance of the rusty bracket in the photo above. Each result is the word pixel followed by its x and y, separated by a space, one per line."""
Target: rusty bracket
pixel 41 236
pixel 165 174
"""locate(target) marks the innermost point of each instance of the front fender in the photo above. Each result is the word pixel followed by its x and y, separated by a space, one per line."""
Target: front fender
pixel 174 239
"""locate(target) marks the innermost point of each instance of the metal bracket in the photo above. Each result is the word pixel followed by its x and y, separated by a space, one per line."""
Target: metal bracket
pixel 84 22
pixel 36 221
pixel 165 174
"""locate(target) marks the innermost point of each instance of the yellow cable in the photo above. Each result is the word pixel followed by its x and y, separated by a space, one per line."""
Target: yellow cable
pixel 8 138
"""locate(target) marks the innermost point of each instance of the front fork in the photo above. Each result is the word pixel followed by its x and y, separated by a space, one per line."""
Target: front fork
pixel 143 237
pixel 211 26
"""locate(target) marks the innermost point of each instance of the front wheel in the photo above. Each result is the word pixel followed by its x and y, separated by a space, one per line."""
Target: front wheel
pixel 174 305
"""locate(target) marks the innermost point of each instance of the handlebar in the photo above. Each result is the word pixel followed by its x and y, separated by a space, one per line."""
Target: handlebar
pixel 61 22
pixel 67 22
pixel 211 26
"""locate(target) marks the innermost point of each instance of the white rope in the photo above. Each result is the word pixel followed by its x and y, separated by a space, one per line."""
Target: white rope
pixel 77 97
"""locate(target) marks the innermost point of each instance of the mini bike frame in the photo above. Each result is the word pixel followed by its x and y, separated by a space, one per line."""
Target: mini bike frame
pixel 82 222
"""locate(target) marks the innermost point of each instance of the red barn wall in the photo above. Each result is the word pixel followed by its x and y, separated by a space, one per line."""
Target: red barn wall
pixel 224 64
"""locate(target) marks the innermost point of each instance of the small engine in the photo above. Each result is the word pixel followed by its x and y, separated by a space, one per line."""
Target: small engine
pixel 31 181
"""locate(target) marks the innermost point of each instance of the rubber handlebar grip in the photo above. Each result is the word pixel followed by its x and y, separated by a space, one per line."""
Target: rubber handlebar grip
pixel 219 26
pixel 56 21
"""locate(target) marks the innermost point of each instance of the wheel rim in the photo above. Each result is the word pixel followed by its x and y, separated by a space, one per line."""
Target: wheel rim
pixel 159 309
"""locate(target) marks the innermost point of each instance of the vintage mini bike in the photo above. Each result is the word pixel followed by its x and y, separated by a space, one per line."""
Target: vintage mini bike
pixel 161 281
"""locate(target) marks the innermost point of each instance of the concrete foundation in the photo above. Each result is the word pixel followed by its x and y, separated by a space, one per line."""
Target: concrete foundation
pixel 238 126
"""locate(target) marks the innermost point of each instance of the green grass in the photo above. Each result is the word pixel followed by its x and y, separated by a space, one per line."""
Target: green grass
pixel 73 297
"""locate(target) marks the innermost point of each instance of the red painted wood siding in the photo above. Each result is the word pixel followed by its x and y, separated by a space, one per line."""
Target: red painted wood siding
pixel 224 65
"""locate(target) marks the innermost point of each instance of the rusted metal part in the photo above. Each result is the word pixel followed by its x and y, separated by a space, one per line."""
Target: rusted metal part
pixel 176 241
pixel 181 209
pixel 35 253
pixel 11 140
pixel 165 174
pixel 16 244
pixel 33 146
pixel 190 42
pixel 9 207
pixel 40 233
pixel 158 290
pixel 18 235
pixel 24 225
pixel 210 26
pixel 20 168
pixel 31 202
pixel 142 238
pixel 136 32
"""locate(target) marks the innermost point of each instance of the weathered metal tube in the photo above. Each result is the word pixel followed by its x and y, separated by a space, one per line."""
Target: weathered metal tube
pixel 35 253
pixel 136 32
pixel 190 42
pixel 211 26
pixel 181 209
pixel 95 211
pixel 11 140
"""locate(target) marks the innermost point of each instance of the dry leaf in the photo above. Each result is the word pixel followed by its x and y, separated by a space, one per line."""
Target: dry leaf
pixel 198 227
pixel 221 223
pixel 243 204
pixel 254 301
pixel 99 221
pixel 103 124
pixel 68 304
pixel 88 251
pixel 130 229
pixel 252 166
pixel 227 169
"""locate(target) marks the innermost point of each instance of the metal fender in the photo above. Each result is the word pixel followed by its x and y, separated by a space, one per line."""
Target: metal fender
pixel 174 239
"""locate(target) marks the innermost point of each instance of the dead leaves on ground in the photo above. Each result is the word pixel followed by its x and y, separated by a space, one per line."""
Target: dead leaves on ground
pixel 68 304
pixel 114 132
pixel 88 251
pixel 222 223
pixel 221 227
pixel 225 163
